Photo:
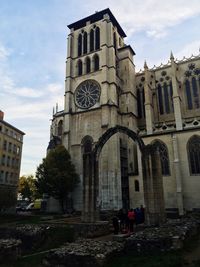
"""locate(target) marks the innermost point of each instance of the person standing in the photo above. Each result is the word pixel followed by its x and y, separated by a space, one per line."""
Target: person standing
pixel 131 218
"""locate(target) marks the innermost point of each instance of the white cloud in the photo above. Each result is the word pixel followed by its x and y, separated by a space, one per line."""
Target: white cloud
pixel 188 50
pixel 151 16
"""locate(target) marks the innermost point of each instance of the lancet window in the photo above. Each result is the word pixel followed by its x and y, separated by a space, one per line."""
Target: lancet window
pixel 192 87
pixel 193 149
pixel 164 157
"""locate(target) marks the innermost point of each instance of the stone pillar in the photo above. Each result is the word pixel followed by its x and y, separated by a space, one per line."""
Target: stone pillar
pixel 158 187
pixel 153 187
pixel 90 188
pixel 176 95
pixel 148 101
pixel 177 170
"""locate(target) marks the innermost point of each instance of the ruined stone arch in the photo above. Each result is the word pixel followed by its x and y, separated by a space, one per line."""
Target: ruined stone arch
pixel 110 132
pixel 152 178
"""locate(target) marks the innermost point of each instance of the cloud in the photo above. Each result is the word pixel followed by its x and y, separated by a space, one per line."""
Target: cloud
pixel 186 50
pixel 151 16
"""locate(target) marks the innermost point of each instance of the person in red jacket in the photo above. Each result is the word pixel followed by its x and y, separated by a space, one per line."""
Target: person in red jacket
pixel 131 218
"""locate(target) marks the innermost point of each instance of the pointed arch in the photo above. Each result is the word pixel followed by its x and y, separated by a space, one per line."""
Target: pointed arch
pixel 80 44
pixel 60 128
pixel 91 40
pixel 193 150
pixel 86 143
pixel 85 43
pixel 164 156
pixel 97 38
pixel 96 62
pixel 88 65
pixel 188 94
pixel 160 99
pixel 80 67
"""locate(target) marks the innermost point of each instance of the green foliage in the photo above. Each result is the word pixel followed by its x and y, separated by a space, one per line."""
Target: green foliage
pixel 27 187
pixel 8 197
pixel 56 175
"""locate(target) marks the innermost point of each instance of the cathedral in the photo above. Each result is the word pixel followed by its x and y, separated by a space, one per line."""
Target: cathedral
pixel 161 105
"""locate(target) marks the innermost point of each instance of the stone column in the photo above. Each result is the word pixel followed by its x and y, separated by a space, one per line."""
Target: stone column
pixel 153 187
pixel 177 169
pixel 158 187
pixel 176 95
pixel 148 101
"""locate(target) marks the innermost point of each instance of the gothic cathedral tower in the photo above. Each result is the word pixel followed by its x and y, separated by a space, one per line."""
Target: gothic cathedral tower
pixel 99 94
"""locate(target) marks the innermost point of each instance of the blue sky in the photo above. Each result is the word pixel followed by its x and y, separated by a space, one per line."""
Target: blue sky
pixel 33 52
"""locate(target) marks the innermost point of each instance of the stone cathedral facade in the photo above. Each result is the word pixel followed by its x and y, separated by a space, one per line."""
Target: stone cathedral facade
pixel 161 105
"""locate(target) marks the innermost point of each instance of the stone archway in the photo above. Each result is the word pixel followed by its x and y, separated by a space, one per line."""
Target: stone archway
pixel 152 178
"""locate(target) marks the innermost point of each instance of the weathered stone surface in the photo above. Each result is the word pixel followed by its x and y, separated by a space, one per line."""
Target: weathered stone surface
pixel 31 236
pixel 10 249
pixel 169 236
pixel 91 229
pixel 84 252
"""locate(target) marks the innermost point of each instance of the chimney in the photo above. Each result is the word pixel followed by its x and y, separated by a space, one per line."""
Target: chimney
pixel 1 115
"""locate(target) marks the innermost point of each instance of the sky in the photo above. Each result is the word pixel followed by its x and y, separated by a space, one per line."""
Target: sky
pixel 33 45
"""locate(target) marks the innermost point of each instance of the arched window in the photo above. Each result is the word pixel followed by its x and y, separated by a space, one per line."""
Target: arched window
pixel 97 38
pixel 96 62
pixel 114 41
pixel 85 43
pixel 188 94
pixel 80 67
pixel 195 92
pixel 137 186
pixel 88 65
pixel 91 40
pixel 160 99
pixel 193 149
pixel 60 128
pixel 166 98
pixel 80 45
pixel 87 144
pixel 163 156
pixel 140 101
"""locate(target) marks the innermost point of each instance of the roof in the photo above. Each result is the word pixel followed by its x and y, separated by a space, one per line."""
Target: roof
pixel 127 46
pixel 96 17
pixel 10 126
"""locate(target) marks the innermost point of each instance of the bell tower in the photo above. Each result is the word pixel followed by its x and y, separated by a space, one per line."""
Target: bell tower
pixel 99 94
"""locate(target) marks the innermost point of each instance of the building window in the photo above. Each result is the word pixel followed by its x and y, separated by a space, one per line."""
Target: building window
pixel 91 40
pixel 9 147
pixel 80 68
pixel 80 44
pixel 97 38
pixel 96 62
pixel 137 186
pixel 165 94
pixel 85 43
pixel 60 128
pixel 193 149
pixel 3 160
pixel 192 87
pixel 115 41
pixel 140 102
pixel 8 161
pixel 162 148
pixel 88 65
pixel 5 145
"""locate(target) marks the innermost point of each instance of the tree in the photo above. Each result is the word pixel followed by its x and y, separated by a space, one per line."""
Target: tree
pixel 56 175
pixel 27 187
